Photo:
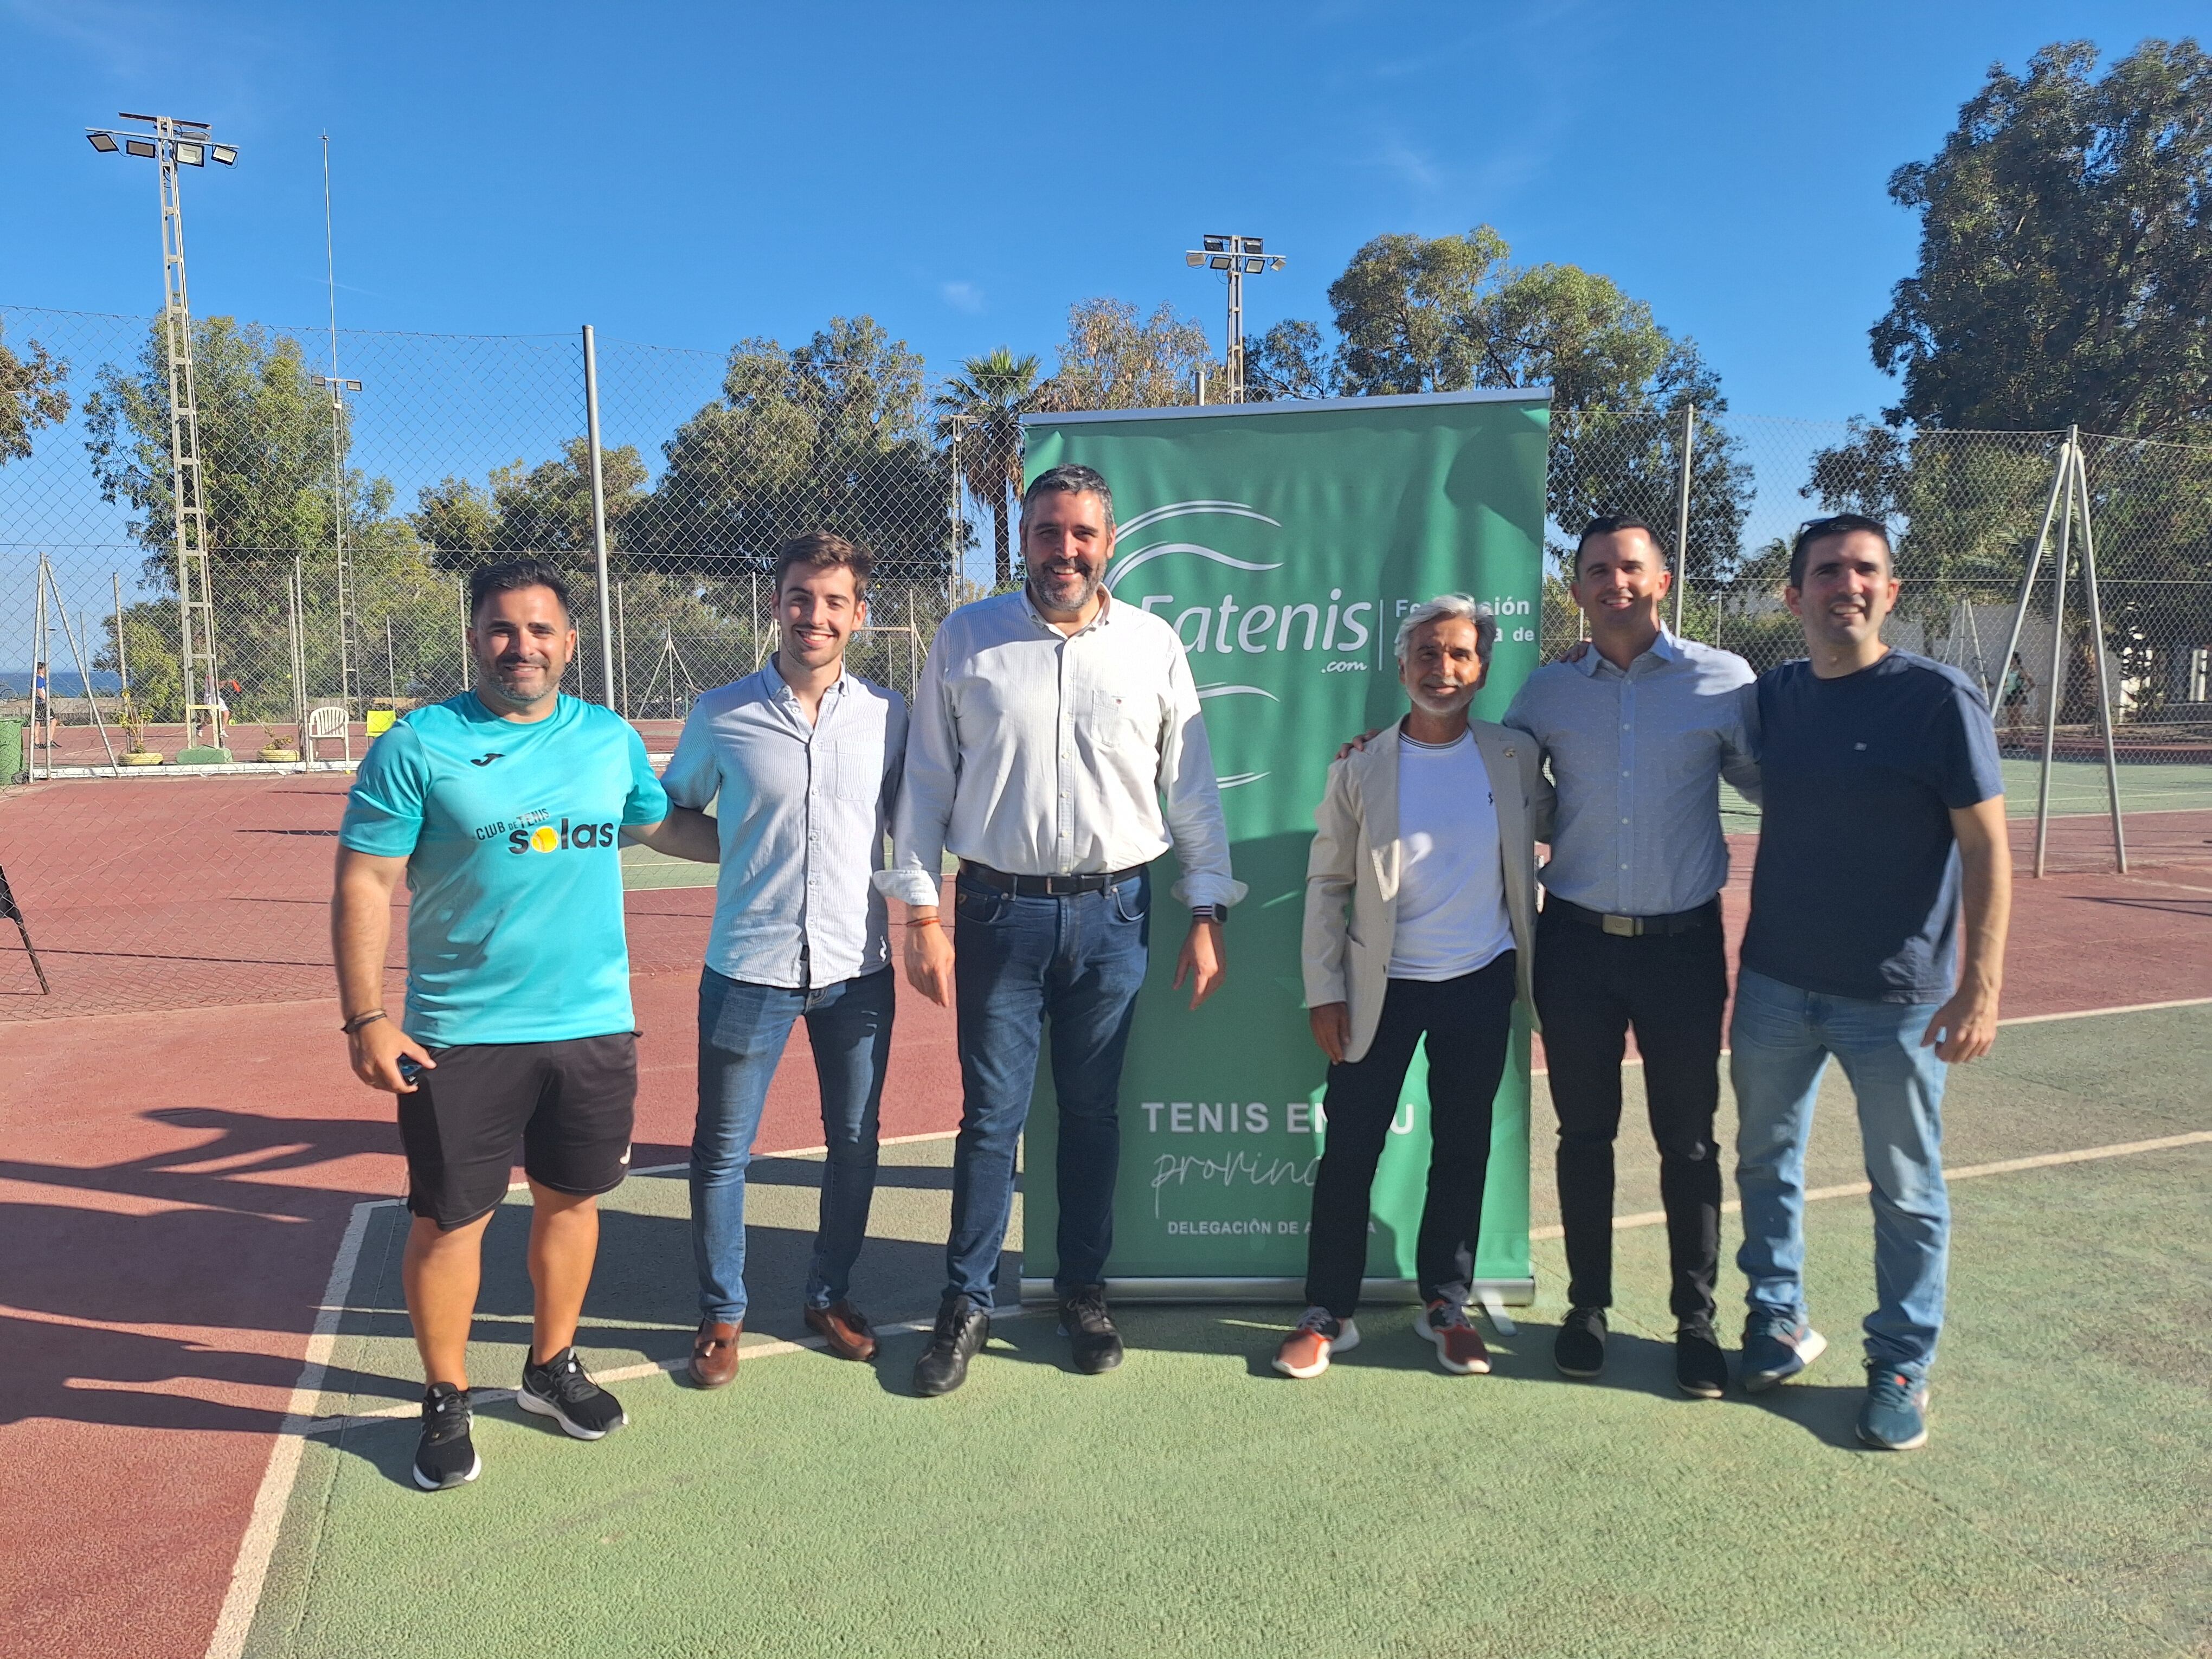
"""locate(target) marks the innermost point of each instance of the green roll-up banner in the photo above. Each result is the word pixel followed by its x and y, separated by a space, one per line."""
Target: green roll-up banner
pixel 1284 542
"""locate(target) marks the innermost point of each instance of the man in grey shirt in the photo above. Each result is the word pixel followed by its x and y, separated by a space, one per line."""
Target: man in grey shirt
pixel 1638 731
pixel 805 758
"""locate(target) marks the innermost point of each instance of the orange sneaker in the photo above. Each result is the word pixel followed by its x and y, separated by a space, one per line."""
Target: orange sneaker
pixel 1459 1345
pixel 1305 1352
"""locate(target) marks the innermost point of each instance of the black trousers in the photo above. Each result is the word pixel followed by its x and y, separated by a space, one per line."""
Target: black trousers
pixel 1590 988
pixel 1467 1021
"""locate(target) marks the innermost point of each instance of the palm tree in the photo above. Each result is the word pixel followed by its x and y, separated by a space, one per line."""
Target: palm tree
pixel 979 413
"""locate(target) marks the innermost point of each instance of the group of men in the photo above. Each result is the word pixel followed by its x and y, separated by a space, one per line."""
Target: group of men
pixel 1055 750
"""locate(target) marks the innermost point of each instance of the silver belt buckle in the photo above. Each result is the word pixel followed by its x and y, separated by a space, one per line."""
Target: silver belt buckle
pixel 1620 926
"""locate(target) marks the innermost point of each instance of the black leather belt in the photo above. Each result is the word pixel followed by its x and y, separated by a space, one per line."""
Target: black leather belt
pixel 1043 886
pixel 1682 921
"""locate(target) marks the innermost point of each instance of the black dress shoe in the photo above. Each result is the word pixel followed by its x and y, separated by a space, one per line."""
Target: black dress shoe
pixel 1084 1321
pixel 961 1329
pixel 1579 1348
pixel 1700 1367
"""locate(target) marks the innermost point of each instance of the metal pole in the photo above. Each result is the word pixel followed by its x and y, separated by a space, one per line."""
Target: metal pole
pixel 622 649
pixel 295 594
pixel 42 705
pixel 2058 478
pixel 1682 515
pixel 2058 665
pixel 121 651
pixel 1236 364
pixel 390 667
pixel 83 673
pixel 2097 657
pixel 468 678
pixel 598 514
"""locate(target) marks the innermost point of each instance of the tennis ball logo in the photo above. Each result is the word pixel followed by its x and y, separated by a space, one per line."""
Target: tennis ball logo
pixel 550 838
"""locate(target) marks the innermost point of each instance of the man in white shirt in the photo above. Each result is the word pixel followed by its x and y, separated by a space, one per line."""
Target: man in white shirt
pixel 1056 749
pixel 805 758
pixel 1432 833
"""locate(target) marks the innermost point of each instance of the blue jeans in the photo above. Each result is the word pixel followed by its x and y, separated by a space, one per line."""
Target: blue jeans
pixel 1780 1042
pixel 742 1028
pixel 1077 961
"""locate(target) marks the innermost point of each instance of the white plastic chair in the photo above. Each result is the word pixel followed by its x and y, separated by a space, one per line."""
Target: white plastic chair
pixel 328 722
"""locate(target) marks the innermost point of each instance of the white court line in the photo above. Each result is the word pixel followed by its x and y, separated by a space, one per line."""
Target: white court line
pixel 251 1571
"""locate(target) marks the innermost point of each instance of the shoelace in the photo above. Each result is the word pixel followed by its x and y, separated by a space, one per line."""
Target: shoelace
pixel 447 1417
pixel 1087 1308
pixel 1318 1320
pixel 570 1382
pixel 1889 1388
pixel 1448 1316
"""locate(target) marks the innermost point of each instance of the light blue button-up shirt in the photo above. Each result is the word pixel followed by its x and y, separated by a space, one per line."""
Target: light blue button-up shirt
pixel 803 809
pixel 1638 758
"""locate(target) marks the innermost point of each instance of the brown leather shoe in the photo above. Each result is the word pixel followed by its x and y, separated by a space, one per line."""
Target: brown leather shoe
pixel 714 1354
pixel 843 1329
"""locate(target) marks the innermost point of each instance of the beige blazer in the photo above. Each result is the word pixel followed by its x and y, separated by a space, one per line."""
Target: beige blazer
pixel 1356 851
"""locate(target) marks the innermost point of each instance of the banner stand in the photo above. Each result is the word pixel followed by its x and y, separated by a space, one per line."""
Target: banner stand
pixel 1508 1292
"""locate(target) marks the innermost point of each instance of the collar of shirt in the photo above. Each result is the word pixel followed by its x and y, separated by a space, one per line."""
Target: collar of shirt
pixel 1665 649
pixel 1105 604
pixel 779 691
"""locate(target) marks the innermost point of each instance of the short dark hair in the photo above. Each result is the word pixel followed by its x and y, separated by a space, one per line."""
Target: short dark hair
pixel 1071 479
pixel 1605 524
pixel 824 549
pixel 1836 524
pixel 509 574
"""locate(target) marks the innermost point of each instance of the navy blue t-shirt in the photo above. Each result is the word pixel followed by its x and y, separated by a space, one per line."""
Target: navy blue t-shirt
pixel 1856 889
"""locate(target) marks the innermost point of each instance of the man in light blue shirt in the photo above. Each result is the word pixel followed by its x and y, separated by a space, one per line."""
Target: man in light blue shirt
pixel 805 760
pixel 1638 732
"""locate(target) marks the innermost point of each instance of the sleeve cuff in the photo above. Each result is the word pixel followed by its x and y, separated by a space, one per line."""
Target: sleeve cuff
pixel 1201 888
pixel 908 886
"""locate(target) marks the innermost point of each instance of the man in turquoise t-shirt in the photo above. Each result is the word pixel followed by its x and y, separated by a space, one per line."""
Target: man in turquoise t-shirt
pixel 504 809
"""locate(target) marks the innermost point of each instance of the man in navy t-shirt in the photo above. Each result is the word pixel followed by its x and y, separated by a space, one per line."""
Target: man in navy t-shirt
pixel 1884 815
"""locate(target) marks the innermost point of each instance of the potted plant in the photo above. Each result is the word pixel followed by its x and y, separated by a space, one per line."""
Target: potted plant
pixel 133 722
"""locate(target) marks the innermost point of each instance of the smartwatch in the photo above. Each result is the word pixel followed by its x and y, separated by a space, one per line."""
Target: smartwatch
pixel 1218 914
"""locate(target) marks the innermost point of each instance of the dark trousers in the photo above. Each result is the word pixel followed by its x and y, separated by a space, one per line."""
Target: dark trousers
pixel 1074 962
pixel 1466 1022
pixel 1590 988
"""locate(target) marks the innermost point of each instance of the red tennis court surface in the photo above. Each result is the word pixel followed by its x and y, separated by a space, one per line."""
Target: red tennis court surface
pixel 184 1146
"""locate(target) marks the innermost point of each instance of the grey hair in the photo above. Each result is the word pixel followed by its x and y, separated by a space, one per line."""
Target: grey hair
pixel 1071 479
pixel 1450 604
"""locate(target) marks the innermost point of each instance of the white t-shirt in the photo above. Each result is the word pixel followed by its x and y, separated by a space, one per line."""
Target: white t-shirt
pixel 1451 888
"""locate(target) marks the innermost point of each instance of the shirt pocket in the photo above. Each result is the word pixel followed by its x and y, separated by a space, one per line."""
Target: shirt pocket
pixel 852 771
pixel 1123 723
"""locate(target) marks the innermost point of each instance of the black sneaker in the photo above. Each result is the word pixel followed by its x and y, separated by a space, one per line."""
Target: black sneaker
pixel 559 1389
pixel 1700 1367
pixel 1579 1348
pixel 961 1329
pixel 1089 1330
pixel 445 1456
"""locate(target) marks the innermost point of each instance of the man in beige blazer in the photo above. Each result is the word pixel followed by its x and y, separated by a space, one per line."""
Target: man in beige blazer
pixel 1432 831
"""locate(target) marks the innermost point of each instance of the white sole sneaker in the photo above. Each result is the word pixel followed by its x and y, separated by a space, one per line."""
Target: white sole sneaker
pixel 1436 1338
pixel 476 1469
pixel 1807 1351
pixel 544 1407
pixel 1345 1341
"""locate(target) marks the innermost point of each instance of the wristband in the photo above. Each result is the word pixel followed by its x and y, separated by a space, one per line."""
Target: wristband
pixel 353 1027
pixel 925 921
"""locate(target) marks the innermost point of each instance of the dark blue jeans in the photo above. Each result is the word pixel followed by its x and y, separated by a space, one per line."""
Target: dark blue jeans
pixel 1077 962
pixel 743 1028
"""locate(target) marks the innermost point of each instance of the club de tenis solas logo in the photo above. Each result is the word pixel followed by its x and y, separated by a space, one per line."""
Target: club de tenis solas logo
pixel 540 832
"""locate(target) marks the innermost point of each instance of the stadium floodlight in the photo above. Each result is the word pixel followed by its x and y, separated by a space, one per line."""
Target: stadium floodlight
pixel 1236 257
pixel 172 143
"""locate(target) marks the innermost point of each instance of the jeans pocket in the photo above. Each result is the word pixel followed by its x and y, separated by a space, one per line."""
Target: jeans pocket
pixel 1133 899
pixel 982 906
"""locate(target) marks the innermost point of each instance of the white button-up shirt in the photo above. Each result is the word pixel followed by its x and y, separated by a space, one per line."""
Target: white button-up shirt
pixel 1044 754
pixel 804 809
pixel 1638 758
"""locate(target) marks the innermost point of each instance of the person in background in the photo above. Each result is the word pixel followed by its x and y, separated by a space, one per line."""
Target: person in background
pixel 1884 822
pixel 1431 835
pixel 1057 749
pixel 1638 730
pixel 805 757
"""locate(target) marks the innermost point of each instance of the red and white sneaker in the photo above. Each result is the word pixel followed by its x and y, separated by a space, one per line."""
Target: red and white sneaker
pixel 1305 1352
pixel 1459 1345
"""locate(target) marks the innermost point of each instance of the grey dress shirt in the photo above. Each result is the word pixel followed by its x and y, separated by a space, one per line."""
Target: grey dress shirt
pixel 802 820
pixel 1045 754
pixel 1638 758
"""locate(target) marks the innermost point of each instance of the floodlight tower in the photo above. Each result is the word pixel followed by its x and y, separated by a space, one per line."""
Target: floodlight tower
pixel 173 143
pixel 1237 257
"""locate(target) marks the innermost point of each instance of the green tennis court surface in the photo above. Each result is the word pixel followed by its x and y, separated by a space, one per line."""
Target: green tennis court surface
pixel 2077 788
pixel 1193 1504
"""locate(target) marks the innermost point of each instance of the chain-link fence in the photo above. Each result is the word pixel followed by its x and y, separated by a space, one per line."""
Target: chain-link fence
pixel 341 522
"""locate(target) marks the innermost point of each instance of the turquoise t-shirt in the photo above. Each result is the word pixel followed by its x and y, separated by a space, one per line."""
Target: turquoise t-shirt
pixel 511 831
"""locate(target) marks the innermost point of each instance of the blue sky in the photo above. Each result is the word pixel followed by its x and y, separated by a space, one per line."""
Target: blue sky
pixel 688 174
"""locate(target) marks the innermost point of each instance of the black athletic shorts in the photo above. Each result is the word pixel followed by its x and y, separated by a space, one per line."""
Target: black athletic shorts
pixel 570 1105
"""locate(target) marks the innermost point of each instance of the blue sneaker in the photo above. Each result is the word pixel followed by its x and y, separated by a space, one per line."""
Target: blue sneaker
pixel 1775 1350
pixel 1895 1415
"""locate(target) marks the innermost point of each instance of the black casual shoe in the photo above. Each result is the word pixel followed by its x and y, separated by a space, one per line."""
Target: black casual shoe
pixel 1579 1348
pixel 961 1329
pixel 445 1456
pixel 559 1389
pixel 1700 1367
pixel 1089 1330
